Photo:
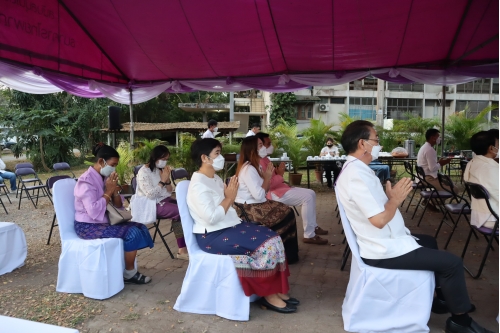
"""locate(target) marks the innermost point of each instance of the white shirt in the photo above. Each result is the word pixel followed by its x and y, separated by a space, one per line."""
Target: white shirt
pixel 250 186
pixel 2 166
pixel 147 184
pixel 332 150
pixel 483 171
pixel 363 197
pixel 427 159
pixel 203 199
pixel 208 135
pixel 250 133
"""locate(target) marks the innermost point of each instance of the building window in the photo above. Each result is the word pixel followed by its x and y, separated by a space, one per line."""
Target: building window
pixel 472 107
pixel 323 100
pixel 368 83
pixel 494 88
pixel 363 108
pixel 418 87
pixel 304 111
pixel 398 108
pixel 337 100
pixel 475 87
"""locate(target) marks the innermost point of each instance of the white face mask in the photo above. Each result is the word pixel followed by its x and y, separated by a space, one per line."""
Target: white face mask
pixel 262 152
pixel 375 150
pixel 438 141
pixel 216 129
pixel 106 170
pixel 496 156
pixel 270 150
pixel 160 164
pixel 218 162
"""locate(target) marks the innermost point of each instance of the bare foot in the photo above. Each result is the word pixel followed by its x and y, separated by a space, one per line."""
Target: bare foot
pixel 183 250
pixel 275 300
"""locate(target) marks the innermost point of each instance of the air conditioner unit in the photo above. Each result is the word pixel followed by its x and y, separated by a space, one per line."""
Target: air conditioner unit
pixel 324 107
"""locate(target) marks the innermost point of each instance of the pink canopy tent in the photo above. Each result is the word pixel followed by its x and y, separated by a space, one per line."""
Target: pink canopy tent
pixel 95 48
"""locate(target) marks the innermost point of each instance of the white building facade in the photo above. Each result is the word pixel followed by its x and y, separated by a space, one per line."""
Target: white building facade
pixel 374 99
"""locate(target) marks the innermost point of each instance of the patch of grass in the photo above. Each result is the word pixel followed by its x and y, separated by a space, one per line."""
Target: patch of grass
pixel 131 316
pixel 45 305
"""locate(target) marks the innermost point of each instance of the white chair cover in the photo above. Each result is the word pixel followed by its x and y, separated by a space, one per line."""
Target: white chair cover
pixel 92 267
pixel 384 300
pixel 13 249
pixel 16 325
pixel 211 285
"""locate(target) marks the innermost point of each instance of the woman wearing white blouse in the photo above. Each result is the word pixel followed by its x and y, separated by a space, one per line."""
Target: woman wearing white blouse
pixel 153 182
pixel 257 252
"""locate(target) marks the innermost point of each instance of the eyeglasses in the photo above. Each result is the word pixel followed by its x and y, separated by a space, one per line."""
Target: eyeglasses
pixel 376 140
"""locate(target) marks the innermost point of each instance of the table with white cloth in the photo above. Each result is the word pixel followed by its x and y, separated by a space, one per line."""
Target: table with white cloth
pixel 16 325
pixel 13 249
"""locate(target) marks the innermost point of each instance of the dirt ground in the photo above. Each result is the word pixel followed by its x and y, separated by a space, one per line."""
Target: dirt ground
pixel 29 292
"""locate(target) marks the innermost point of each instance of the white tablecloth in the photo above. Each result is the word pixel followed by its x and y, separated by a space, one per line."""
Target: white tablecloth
pixel 16 325
pixel 13 249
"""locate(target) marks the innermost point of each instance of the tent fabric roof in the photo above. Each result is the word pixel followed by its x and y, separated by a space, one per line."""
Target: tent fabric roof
pixel 227 126
pixel 101 48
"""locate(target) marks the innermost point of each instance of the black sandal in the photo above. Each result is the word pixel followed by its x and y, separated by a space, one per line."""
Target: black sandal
pixel 138 278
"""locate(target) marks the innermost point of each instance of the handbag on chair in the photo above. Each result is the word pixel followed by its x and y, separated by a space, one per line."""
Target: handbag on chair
pixel 116 215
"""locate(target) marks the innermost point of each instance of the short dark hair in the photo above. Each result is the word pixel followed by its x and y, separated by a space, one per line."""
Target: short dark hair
pixel 203 147
pixel 212 122
pixel 481 141
pixel 105 152
pixel 255 125
pixel 330 139
pixel 494 132
pixel 358 129
pixel 430 133
pixel 158 152
pixel 262 136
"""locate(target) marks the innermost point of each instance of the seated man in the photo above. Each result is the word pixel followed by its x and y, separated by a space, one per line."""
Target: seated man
pixel 383 239
pixel 483 170
pixel 427 158
pixel 8 175
pixel 292 196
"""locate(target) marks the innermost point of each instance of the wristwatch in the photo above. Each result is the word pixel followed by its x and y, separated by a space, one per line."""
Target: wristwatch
pixel 162 183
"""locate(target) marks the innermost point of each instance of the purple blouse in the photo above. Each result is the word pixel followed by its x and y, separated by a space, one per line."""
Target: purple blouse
pixel 90 205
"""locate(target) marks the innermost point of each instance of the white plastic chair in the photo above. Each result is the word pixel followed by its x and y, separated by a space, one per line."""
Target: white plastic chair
pixel 384 300
pixel 211 285
pixel 13 249
pixel 92 267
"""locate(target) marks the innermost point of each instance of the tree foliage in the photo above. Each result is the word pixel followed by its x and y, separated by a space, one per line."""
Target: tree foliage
pixel 316 135
pixel 283 108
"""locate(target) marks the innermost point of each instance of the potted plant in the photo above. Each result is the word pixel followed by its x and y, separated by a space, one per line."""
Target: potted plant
pixel 123 168
pixel 317 134
pixel 285 137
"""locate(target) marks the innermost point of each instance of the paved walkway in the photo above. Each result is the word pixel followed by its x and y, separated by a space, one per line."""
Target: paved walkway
pixel 316 280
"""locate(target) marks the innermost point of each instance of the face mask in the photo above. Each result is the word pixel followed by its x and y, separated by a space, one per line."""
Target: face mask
pixel 329 145
pixel 375 150
pixel 438 141
pixel 218 163
pixel 106 170
pixel 215 129
pixel 262 152
pixel 496 156
pixel 161 164
pixel 270 150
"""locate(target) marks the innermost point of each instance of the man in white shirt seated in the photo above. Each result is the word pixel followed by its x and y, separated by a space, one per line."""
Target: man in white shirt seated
pixel 332 150
pixel 254 130
pixel 383 239
pixel 7 175
pixel 483 170
pixel 427 158
pixel 212 128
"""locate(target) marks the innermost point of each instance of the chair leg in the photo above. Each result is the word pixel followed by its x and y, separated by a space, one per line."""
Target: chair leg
pixel 454 227
pixel 52 228
pixel 296 211
pixel 1 202
pixel 416 207
pixel 157 228
pixel 345 256
pixel 442 221
pixel 423 213
pixel 483 261
pixel 7 194
pixel 411 199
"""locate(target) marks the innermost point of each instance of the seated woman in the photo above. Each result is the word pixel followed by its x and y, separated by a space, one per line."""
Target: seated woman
pixel 254 183
pixel 153 182
pixel 94 189
pixel 257 251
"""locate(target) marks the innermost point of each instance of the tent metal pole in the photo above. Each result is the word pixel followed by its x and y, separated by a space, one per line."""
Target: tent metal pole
pixel 442 120
pixel 131 120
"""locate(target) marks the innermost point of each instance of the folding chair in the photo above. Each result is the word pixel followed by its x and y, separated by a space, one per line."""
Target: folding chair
pixel 37 185
pixel 177 174
pixel 63 166
pixel 136 169
pixel 461 207
pixel 5 191
pixel 1 202
pixel 415 185
pixel 478 192
pixel 463 165
pixel 27 180
pixel 438 197
pixel 50 183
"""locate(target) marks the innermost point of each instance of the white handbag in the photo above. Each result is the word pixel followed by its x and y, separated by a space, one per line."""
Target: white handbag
pixel 143 209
